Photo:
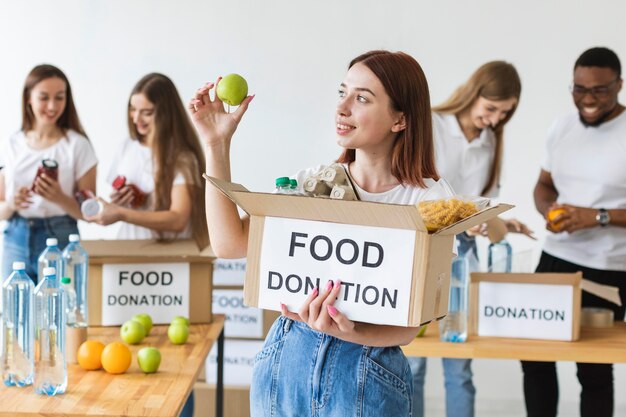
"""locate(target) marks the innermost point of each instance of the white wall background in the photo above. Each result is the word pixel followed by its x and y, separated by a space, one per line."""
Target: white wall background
pixel 294 54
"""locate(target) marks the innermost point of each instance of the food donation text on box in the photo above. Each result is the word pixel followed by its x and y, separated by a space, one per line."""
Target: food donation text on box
pixel 528 311
pixel 374 264
pixel 161 290
pixel 241 321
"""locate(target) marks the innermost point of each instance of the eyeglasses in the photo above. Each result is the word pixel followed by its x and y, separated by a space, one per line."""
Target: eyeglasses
pixel 599 92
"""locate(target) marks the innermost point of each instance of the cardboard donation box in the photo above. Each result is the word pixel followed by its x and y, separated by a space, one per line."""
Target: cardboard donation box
pixel 392 270
pixel 531 306
pixel 164 280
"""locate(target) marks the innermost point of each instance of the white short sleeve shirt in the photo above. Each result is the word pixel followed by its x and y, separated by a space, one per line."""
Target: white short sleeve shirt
pixel 73 153
pixel 465 165
pixel 134 161
pixel 588 168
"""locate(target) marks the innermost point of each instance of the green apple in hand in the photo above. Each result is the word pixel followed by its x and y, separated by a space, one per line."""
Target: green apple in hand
pixel 178 333
pixel 232 89
pixel 145 320
pixel 132 332
pixel 149 359
pixel 180 320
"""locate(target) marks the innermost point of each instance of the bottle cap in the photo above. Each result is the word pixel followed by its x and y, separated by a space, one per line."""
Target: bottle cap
pixel 52 241
pixel 91 207
pixel 50 163
pixel 19 265
pixel 74 238
pixel 66 280
pixel 294 183
pixel 282 181
pixel 49 271
pixel 119 182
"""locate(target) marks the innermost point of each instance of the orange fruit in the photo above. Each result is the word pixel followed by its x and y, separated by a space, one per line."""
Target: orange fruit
pixel 553 214
pixel 88 355
pixel 116 358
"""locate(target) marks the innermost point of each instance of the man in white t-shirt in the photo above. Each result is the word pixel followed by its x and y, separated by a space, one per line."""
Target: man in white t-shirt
pixel 584 174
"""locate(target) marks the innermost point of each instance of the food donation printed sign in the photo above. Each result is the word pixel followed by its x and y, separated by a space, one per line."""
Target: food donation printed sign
pixel 374 264
pixel 161 290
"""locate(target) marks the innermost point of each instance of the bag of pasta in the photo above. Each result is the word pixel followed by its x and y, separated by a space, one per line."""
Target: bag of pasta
pixel 442 207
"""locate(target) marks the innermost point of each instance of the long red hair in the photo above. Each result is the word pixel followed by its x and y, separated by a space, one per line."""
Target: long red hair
pixel 413 155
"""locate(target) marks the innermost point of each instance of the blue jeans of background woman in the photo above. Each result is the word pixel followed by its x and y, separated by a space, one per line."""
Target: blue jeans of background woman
pixel 460 390
pixel 25 239
pixel 301 372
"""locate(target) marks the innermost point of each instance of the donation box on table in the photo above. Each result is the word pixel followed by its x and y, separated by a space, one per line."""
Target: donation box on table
pixel 165 280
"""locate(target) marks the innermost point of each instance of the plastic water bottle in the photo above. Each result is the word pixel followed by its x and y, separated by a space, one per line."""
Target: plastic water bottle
pixel 71 310
pixel 18 341
pixel 51 257
pixel 76 264
pixel 453 327
pixel 283 186
pixel 50 366
pixel 500 258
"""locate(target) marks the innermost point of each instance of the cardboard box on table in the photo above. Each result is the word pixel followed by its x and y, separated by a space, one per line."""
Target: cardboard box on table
pixel 530 306
pixel 236 401
pixel 164 280
pixel 392 270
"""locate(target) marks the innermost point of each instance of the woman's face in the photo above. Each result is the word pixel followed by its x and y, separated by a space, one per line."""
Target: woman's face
pixel 47 100
pixel 364 117
pixel 141 112
pixel 488 113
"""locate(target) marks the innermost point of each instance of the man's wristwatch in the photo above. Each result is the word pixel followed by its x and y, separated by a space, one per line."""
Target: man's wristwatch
pixel 603 217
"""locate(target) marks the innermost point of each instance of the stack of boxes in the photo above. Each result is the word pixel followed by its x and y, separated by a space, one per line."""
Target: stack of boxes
pixel 245 330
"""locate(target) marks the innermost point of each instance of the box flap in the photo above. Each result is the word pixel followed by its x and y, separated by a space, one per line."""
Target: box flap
pixel 474 220
pixel 606 292
pixel 145 249
pixel 362 213
pixel 553 278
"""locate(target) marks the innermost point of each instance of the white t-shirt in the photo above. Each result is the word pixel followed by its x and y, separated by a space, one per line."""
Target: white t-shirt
pixel 73 153
pixel 588 168
pixel 134 161
pixel 465 165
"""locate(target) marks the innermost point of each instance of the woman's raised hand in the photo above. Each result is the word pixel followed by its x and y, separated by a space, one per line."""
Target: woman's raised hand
pixel 214 124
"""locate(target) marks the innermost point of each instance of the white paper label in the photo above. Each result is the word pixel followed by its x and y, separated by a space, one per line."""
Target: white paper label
pixel 161 290
pixel 238 362
pixel 229 272
pixel 527 311
pixel 241 321
pixel 375 266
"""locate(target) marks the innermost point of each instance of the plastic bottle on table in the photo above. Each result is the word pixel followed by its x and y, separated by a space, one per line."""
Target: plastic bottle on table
pixel 18 342
pixel 500 257
pixel 50 365
pixel 76 265
pixel 51 257
pixel 453 327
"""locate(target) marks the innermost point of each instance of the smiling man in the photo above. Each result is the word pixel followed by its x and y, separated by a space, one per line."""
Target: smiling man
pixel 584 175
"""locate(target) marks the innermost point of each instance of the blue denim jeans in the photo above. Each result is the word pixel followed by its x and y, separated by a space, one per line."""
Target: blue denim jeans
pixel 460 391
pixel 301 372
pixel 25 239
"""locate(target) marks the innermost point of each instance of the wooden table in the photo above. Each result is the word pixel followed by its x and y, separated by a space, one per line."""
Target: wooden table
pixel 97 393
pixel 596 345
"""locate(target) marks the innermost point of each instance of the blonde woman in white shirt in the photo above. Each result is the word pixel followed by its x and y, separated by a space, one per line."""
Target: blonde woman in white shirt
pixel 37 209
pixel 468 132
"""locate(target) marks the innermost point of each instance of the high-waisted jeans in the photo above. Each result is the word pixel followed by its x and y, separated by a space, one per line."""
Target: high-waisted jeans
pixel 25 239
pixel 301 372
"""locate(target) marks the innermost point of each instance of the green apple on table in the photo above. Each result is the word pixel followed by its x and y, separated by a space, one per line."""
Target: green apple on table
pixel 145 320
pixel 132 332
pixel 232 89
pixel 178 333
pixel 180 320
pixel 149 359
